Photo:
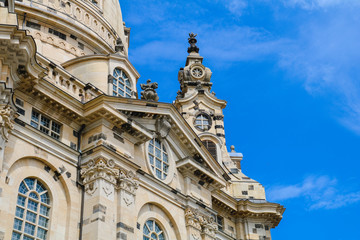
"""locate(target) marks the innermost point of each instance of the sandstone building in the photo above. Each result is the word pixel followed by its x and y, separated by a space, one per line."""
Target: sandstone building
pixel 86 155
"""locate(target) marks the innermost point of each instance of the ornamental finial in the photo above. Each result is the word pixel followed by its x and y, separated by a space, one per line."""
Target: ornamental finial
pixel 192 42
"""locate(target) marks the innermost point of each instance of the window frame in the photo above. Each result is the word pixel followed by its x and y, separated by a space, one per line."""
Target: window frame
pixel 120 77
pixel 29 223
pixel 213 151
pixel 152 231
pixel 48 130
pixel 153 159
pixel 200 125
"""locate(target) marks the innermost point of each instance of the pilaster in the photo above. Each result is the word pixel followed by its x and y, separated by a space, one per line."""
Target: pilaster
pixel 193 225
pixel 99 179
pixel 126 222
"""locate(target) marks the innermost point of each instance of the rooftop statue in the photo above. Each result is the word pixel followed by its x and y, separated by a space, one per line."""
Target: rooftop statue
pixel 149 92
pixel 192 42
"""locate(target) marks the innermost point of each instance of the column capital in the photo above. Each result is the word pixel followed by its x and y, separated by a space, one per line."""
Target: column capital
pixel 127 182
pixel 100 168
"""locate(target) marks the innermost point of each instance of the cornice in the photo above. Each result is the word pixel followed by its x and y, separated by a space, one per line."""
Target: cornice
pixel 246 208
pixel 207 95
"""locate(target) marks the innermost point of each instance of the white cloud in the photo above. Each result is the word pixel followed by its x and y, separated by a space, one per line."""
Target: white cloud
pixel 325 57
pixel 319 192
pixel 316 4
pixel 236 7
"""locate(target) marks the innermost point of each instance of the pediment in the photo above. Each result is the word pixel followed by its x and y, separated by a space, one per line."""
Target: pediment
pixel 199 161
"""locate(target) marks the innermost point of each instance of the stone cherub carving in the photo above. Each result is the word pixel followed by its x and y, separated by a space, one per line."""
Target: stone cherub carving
pixel 149 92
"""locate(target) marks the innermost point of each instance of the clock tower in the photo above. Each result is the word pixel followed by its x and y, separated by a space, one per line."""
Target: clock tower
pixel 198 104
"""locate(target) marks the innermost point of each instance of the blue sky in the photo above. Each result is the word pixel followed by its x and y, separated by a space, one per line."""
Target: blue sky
pixel 289 71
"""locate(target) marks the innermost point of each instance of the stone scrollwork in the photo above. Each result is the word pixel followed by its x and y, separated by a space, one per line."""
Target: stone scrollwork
pixel 210 227
pixel 127 182
pixel 128 185
pixel 98 169
pixel 203 223
pixel 115 178
pixel 192 219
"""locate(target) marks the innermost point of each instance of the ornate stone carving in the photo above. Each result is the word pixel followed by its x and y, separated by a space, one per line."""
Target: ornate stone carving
pixel 203 223
pixel 6 122
pixel 99 169
pixel 127 182
pixel 128 185
pixel 149 92
pixel 209 227
pixel 163 127
pixel 191 218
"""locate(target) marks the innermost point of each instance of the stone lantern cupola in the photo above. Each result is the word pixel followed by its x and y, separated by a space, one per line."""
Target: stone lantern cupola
pixel 194 76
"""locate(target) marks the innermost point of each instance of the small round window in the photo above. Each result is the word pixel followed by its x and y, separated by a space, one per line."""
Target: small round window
pixel 158 158
pixel 152 231
pixel 203 122
pixel 121 84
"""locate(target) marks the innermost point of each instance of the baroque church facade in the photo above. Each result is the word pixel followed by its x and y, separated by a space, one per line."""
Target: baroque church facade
pixel 86 155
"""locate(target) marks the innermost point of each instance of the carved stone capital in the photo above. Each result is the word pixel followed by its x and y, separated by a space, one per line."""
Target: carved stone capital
pixel 100 168
pixel 201 222
pixel 209 227
pixel 127 182
pixel 192 219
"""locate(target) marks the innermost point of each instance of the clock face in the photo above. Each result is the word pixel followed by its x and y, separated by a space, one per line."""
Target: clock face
pixel 197 72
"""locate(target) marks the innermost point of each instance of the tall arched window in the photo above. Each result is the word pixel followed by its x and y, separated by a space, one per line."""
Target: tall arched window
pixel 32 211
pixel 158 158
pixel 121 84
pixel 211 147
pixel 152 231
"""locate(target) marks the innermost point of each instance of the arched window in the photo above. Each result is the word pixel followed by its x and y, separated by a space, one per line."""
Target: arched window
pixel 152 231
pixel 158 158
pixel 121 84
pixel 211 147
pixel 202 122
pixel 32 211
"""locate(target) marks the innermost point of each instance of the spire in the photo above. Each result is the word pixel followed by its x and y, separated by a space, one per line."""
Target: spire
pixel 192 42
